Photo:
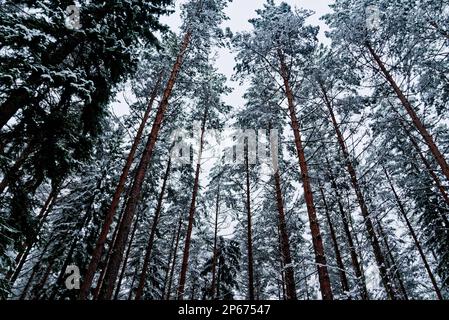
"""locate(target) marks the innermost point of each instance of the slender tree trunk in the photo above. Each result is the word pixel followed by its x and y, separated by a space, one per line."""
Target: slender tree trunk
pixel 414 236
pixel 340 264
pixel 126 258
pixel 185 259
pixel 249 231
pixel 286 256
pixel 306 285
pixel 170 257
pixel 173 264
pixel 215 254
pixel 130 295
pixel 220 264
pixel 99 247
pixel 146 262
pixel 320 257
pixel 281 282
pixel 380 259
pixel 117 253
pixel 96 292
pixel 24 293
pixel 394 270
pixel 361 281
pixel 439 157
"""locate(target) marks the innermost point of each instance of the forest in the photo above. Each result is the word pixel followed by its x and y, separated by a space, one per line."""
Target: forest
pixel 330 182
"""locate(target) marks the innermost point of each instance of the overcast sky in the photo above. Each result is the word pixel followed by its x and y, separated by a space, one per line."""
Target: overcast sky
pixel 239 12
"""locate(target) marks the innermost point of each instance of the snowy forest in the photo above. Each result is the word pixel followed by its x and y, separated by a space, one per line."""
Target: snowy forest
pixel 343 193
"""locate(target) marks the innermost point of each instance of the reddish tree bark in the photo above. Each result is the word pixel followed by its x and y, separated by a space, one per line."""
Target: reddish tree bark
pixel 157 214
pixel 185 258
pixel 320 257
pixel 340 264
pixel 290 283
pixel 99 247
pixel 173 246
pixel 380 259
pixel 96 292
pixel 117 253
pixel 439 157
pixel 249 232
pixel 173 264
pixel 391 263
pixel 361 281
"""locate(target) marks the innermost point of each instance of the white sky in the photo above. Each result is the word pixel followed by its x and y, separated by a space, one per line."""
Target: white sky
pixel 239 12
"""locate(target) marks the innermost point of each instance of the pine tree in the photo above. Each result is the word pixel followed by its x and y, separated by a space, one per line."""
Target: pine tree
pixel 280 37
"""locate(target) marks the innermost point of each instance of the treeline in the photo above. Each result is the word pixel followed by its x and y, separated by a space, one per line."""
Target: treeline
pixel 350 202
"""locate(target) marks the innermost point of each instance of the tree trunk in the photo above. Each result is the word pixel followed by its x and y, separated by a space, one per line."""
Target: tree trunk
pixel 320 257
pixel 249 231
pixel 99 247
pixel 340 264
pixel 220 264
pixel 393 267
pixel 414 236
pixel 290 282
pixel 173 246
pixel 361 281
pixel 146 262
pixel 117 253
pixel 215 254
pixel 439 157
pixel 185 259
pixel 173 264
pixel 305 276
pixel 126 258
pixel 380 259
pixel 108 254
